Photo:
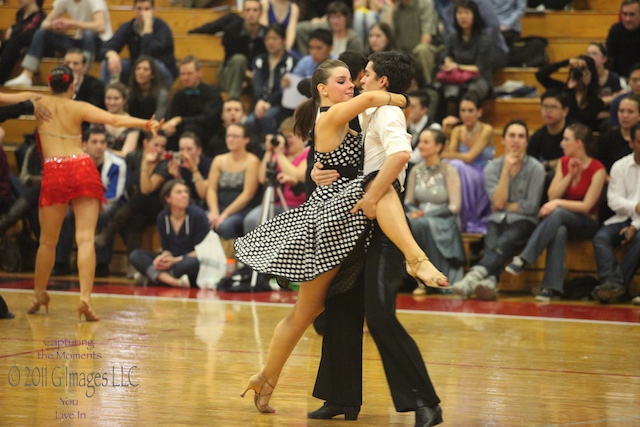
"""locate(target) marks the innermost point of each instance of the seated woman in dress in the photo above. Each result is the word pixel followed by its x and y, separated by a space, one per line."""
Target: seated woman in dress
pixel 120 141
pixel 147 96
pixel 581 86
pixel 309 243
pixel 233 184
pixel 432 201
pixel 290 159
pixel 469 149
pixel 181 227
pixel 570 213
pixel 470 48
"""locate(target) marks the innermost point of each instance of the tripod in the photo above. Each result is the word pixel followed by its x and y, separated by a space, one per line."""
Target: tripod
pixel 267 207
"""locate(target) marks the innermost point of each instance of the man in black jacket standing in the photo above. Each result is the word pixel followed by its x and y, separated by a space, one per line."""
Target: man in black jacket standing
pixel 243 40
pixel 146 34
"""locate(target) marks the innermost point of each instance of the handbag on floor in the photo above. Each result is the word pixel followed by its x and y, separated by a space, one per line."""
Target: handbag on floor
pixel 213 261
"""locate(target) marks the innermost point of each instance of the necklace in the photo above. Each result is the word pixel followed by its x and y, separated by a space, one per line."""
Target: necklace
pixel 474 131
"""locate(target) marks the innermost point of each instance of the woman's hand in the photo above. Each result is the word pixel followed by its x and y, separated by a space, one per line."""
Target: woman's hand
pixel 153 125
pixel 174 169
pixel 415 214
pixel 164 261
pixel 284 179
pixel 575 167
pixel 548 207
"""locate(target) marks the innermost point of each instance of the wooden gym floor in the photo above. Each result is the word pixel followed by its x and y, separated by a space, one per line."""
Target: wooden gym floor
pixel 172 357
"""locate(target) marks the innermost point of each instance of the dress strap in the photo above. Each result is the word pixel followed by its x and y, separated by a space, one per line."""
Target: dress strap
pixel 323 109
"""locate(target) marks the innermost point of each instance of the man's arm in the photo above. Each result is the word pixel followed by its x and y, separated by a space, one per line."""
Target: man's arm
pixel 215 26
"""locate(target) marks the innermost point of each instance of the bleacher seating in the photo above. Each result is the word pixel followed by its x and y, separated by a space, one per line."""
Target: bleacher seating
pixel 568 33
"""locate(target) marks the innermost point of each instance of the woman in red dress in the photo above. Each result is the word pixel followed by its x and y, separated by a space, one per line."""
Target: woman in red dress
pixel 69 177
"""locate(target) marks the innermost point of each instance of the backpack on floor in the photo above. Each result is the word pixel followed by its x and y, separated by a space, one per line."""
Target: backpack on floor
pixel 528 52
pixel 240 281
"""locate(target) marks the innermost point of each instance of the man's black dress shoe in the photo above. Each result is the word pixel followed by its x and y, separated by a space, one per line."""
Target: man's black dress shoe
pixel 329 410
pixel 428 416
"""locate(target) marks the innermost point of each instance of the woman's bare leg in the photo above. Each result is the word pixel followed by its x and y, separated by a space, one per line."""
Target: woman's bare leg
pixel 86 210
pixel 392 221
pixel 50 218
pixel 309 305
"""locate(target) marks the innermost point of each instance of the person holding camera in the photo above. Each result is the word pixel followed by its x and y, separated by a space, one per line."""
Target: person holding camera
pixel 582 87
pixel 285 164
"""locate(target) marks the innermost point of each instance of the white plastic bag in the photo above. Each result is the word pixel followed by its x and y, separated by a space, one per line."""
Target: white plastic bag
pixel 213 261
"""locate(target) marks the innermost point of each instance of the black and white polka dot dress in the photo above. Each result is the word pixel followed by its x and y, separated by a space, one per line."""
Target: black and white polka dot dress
pixel 317 236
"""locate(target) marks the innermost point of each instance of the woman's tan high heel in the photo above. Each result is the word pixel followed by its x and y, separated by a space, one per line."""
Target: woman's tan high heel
pixel 437 281
pixel 257 383
pixel 87 310
pixel 37 301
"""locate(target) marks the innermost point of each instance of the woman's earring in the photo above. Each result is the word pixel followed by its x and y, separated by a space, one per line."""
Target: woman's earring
pixel 325 93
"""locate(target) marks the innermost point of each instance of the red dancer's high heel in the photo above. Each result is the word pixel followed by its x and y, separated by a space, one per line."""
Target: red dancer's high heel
pixel 37 301
pixel 87 310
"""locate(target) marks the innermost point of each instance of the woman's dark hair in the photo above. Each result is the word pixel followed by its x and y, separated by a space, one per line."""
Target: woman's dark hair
pixel 276 28
pixel 166 190
pixel 154 91
pixel 471 97
pixel 388 32
pixel 438 137
pixel 478 22
pixel 60 78
pixel 593 87
pixel 633 98
pixel 583 133
pixel 305 114
pixel 193 136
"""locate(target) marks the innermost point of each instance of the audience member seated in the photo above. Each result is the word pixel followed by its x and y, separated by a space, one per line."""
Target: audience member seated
pixel 544 144
pixel 193 167
pixel 570 213
pixel 194 108
pixel 581 86
pixel 120 141
pixel 623 36
pixel 285 13
pixel 470 148
pixel 91 22
pixel 147 96
pixel 243 40
pixel 268 70
pixel 339 17
pixel 232 113
pixel 509 13
pixel 147 171
pixel 113 172
pixel 313 15
pixel 366 13
pixel 88 88
pixel 289 158
pixel 514 183
pixel 608 81
pixel 381 38
pixel 415 27
pixel 419 120
pixel 491 26
pixel 233 184
pixel 432 201
pixel 26 205
pixel 623 197
pixel 468 49
pixel 615 143
pixel 181 227
pixel 146 34
pixel 320 46
pixel 634 88
pixel 17 38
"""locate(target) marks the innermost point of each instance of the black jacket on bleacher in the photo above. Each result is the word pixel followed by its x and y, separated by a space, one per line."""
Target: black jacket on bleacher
pixel 236 39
